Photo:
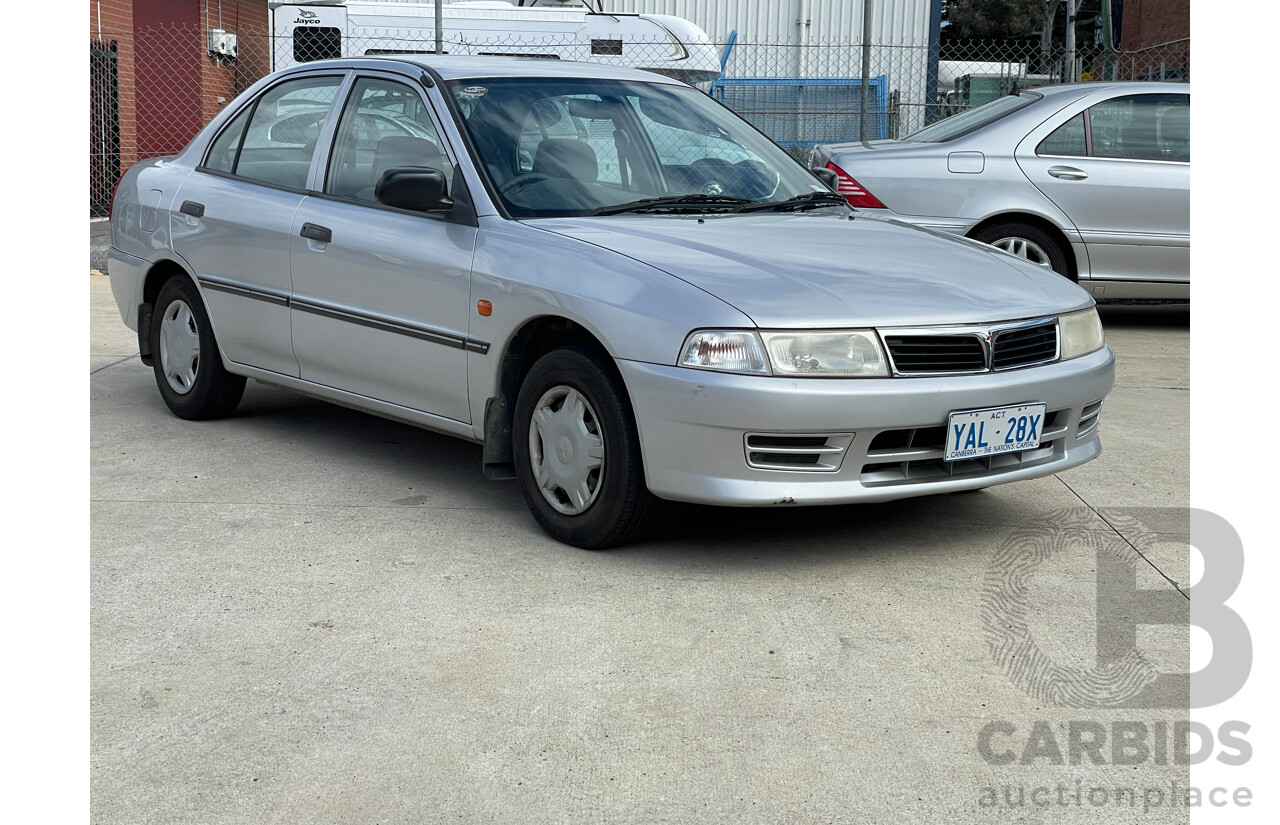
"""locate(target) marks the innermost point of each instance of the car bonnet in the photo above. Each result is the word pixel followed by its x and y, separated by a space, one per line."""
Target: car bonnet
pixel 822 270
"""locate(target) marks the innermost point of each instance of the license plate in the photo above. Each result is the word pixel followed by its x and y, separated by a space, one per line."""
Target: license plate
pixel 979 433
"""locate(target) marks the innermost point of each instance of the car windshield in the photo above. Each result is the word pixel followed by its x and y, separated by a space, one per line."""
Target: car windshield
pixel 579 146
pixel 973 119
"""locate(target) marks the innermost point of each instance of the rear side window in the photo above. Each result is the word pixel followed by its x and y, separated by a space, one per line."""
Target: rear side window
pixel 1142 127
pixel 273 140
pixel 1132 127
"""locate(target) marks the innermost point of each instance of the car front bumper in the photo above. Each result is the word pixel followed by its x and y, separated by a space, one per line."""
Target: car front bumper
pixel 716 438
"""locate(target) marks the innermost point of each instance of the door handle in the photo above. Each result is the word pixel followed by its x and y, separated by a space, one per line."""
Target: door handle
pixel 1068 173
pixel 195 210
pixel 315 232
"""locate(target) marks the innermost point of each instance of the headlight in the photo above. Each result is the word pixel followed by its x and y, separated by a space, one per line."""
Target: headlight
pixel 725 350
pixel 1080 333
pixel 848 353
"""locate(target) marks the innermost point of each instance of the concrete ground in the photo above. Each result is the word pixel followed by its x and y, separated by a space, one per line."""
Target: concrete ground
pixel 306 614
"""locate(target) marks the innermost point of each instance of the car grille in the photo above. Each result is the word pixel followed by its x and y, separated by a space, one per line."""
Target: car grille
pixel 920 354
pixel 963 350
pixel 910 455
pixel 817 452
pixel 1025 346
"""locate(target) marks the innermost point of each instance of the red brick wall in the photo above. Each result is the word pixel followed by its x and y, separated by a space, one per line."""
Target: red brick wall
pixel 1156 37
pixel 181 86
pixel 1152 22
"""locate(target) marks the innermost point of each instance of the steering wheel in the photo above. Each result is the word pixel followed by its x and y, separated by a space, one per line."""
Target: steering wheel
pixel 758 181
pixel 522 180
pixel 717 174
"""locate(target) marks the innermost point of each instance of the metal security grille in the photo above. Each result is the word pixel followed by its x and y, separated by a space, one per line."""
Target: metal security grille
pixel 104 124
pixel 802 112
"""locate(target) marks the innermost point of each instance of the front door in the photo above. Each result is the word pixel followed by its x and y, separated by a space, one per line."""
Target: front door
pixel 380 295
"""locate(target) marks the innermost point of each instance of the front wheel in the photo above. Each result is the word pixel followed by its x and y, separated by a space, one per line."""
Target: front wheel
pixel 1027 242
pixel 188 367
pixel 577 451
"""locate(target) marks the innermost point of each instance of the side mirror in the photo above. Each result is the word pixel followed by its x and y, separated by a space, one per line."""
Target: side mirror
pixel 827 176
pixel 416 188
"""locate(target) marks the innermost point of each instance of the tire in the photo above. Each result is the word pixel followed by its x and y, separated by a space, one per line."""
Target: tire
pixel 187 364
pixel 1027 242
pixel 577 451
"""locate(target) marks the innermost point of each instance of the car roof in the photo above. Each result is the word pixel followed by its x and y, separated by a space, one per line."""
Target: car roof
pixel 463 67
pixel 1068 90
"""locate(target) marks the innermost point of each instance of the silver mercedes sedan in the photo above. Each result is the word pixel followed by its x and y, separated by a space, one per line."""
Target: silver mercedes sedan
pixel 1092 180
pixel 620 289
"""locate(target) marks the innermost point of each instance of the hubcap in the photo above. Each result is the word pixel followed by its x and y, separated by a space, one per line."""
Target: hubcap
pixel 566 450
pixel 1025 249
pixel 179 347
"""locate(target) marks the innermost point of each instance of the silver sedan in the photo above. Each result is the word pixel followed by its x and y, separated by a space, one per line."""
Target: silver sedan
pixel 1091 180
pixel 619 288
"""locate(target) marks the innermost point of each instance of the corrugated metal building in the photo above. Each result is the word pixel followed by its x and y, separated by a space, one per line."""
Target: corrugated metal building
pixel 797 22
pixel 771 46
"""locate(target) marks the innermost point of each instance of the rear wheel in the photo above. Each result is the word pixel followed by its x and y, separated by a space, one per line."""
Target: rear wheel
pixel 577 451
pixel 1027 242
pixel 188 367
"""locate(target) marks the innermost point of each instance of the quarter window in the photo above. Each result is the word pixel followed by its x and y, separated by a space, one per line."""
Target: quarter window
pixel 1066 140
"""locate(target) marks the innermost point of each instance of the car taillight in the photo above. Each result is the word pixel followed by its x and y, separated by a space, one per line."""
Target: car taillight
pixel 852 191
pixel 111 209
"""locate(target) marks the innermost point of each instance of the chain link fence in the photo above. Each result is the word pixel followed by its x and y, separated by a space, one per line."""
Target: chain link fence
pixel 152 89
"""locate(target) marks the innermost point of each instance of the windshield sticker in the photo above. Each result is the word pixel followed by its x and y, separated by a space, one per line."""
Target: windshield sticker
pixel 474 91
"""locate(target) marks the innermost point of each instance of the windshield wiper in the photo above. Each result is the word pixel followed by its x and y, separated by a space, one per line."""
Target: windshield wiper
pixel 811 200
pixel 681 203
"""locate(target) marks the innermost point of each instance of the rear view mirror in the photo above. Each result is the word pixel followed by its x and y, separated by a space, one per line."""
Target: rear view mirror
pixel 590 109
pixel 827 176
pixel 416 188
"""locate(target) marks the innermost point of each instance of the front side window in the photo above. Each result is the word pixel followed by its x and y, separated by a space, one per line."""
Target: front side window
pixel 273 140
pixel 384 125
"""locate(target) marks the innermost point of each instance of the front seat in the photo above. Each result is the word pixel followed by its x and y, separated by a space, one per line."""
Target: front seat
pixel 566 158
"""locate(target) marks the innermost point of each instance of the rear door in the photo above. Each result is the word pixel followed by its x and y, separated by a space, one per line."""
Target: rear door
pixel 381 295
pixel 233 217
pixel 1120 168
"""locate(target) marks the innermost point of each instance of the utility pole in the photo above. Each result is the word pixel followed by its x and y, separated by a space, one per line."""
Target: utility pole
pixel 1108 43
pixel 1069 61
pixel 866 70
pixel 439 26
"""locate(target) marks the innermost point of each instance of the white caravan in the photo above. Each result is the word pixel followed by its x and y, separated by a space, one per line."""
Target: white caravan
pixel 555 29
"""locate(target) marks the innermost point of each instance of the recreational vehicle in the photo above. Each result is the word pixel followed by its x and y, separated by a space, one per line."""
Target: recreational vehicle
pixel 551 29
